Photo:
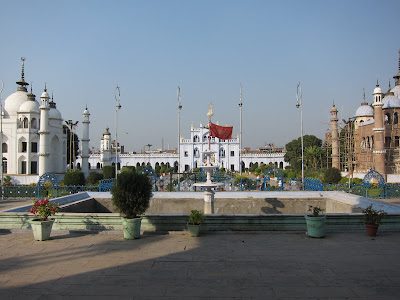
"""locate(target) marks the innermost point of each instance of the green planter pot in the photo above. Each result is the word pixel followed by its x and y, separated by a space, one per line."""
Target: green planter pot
pixel 194 230
pixel 41 229
pixel 131 228
pixel 315 226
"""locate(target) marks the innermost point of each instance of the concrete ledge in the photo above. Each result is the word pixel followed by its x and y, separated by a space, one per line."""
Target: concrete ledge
pixel 113 222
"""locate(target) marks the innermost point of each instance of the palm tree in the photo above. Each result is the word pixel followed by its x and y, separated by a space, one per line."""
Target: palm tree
pixel 312 155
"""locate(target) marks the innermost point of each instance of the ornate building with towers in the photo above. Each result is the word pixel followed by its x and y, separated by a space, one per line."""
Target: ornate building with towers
pixel 371 139
pixel 33 137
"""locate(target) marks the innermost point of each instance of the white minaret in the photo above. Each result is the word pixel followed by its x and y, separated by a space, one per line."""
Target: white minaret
pixel 105 148
pixel 85 142
pixel 44 143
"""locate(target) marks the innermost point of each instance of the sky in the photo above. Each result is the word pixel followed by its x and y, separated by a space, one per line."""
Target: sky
pixel 84 49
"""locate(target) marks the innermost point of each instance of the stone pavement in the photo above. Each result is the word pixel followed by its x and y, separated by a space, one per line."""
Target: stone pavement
pixel 219 265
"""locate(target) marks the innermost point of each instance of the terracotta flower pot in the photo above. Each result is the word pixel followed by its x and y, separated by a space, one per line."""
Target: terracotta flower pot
pixel 371 229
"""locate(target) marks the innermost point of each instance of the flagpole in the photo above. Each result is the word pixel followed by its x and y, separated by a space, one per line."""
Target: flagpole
pixel 240 134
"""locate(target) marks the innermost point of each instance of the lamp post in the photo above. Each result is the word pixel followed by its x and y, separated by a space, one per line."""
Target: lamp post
pixel 300 104
pixel 117 107
pixel 1 139
pixel 179 135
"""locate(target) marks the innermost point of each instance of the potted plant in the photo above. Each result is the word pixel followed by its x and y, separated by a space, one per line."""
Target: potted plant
pixel 372 219
pixel 42 224
pixel 315 222
pixel 131 195
pixel 195 219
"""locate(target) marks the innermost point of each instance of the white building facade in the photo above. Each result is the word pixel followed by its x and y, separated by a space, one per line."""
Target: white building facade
pixel 33 138
pixel 191 154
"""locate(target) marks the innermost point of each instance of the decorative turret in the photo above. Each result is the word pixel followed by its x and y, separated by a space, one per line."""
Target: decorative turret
pixel 379 138
pixel 335 138
pixel 105 148
pixel 44 142
pixel 85 142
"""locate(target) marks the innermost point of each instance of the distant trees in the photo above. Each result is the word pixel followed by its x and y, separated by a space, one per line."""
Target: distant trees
pixel 313 153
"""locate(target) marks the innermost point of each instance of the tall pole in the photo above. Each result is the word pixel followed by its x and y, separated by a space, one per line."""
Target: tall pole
pixel 179 135
pixel 117 107
pixel 1 139
pixel 300 104
pixel 240 134
pixel 71 125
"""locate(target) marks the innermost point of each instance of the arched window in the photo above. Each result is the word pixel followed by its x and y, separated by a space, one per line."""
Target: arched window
pixel 118 166
pixel 388 120
pixel 196 139
pixel 196 152
pixel 281 165
pixel 4 147
pixel 395 118
pixel 368 143
pixel 98 165
pixel 25 124
pixel 138 164
pixel 361 123
pixel 34 123
pixel 372 142
pixel 222 152
pixel 78 166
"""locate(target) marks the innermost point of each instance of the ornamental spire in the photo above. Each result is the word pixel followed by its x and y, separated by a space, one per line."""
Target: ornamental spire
pixel 22 83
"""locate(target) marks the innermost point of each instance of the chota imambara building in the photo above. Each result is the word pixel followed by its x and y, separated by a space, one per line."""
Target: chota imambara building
pixel 190 156
pixel 371 139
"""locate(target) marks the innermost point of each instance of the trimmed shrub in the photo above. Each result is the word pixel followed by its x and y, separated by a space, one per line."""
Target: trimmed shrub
pixel 332 175
pixel 93 178
pixel 128 169
pixel 74 178
pixel 131 194
pixel 108 172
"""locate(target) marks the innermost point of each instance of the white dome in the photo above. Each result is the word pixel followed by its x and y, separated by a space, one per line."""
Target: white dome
pixel 391 101
pixel 54 114
pixel 45 95
pixel 14 101
pixel 377 90
pixel 364 110
pixel 29 107
pixel 396 91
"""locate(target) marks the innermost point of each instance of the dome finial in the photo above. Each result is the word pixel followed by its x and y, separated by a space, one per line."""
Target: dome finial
pixel 333 102
pixel 364 94
pixel 45 86
pixel 377 82
pixel 22 83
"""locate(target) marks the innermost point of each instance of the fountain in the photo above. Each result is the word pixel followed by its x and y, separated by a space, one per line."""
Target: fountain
pixel 208 168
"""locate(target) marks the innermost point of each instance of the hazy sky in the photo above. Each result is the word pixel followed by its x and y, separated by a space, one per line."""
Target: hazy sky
pixel 83 49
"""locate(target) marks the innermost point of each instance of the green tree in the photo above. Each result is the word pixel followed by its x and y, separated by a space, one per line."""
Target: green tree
pixel 332 175
pixel 293 149
pixel 313 155
pixel 131 194
pixel 74 178
pixel 108 172
pixel 93 178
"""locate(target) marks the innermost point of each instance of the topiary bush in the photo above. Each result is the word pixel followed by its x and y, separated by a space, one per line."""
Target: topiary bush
pixel 332 175
pixel 131 194
pixel 108 172
pixel 128 169
pixel 93 178
pixel 74 178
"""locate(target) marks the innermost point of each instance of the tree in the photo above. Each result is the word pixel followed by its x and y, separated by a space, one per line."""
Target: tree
pixel 293 149
pixel 332 175
pixel 108 172
pixel 93 178
pixel 313 155
pixel 74 178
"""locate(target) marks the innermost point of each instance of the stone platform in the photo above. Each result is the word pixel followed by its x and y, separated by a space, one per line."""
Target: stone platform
pixel 218 265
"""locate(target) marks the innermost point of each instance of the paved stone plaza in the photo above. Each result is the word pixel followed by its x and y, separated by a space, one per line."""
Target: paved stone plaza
pixel 219 265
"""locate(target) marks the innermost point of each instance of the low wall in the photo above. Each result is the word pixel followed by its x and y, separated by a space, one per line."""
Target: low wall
pixel 113 222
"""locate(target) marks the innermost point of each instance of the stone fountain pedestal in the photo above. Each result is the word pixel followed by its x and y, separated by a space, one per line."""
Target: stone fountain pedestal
pixel 208 185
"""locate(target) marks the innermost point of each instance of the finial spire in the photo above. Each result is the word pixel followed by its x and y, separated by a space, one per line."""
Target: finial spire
pixel 377 82
pixel 45 86
pixel 364 94
pixel 22 83
pixel 333 102
pixel 390 87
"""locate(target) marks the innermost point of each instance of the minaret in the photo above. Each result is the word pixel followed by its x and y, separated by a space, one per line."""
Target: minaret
pixel 105 148
pixel 335 139
pixel 85 142
pixel 397 76
pixel 379 152
pixel 44 143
